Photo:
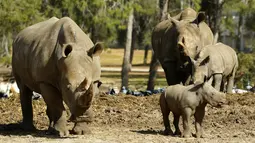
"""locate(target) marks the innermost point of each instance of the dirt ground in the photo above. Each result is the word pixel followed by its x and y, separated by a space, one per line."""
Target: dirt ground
pixel 126 118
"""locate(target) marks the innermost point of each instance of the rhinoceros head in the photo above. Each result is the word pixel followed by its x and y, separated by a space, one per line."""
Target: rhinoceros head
pixel 79 66
pixel 212 96
pixel 201 70
pixel 189 40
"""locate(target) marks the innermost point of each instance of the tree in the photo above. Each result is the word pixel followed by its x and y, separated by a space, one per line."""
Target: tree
pixel 213 9
pixel 126 66
pixel 163 5
pixel 15 16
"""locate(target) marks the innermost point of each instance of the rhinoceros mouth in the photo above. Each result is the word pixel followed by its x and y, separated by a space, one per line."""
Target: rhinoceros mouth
pixel 84 98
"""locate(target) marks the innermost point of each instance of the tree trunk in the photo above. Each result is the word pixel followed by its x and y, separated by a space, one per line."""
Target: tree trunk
pixel 5 44
pixel 213 9
pixel 153 72
pixel 163 5
pixel 146 50
pixel 133 45
pixel 126 67
pixel 240 40
pixel 163 8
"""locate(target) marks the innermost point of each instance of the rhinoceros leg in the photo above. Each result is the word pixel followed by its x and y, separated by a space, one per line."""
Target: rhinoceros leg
pixel 199 116
pixel 55 110
pixel 230 84
pixel 165 113
pixel 82 127
pixel 176 124
pixel 171 74
pixel 217 81
pixel 26 105
pixel 186 116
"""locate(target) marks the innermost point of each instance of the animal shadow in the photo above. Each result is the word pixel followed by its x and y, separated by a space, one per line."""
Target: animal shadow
pixel 16 129
pixel 149 131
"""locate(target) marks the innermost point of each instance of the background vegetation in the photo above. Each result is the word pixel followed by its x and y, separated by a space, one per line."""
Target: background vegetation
pixel 232 21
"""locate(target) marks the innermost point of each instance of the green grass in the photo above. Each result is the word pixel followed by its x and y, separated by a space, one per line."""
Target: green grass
pixel 114 57
pixel 137 80
pixel 6 60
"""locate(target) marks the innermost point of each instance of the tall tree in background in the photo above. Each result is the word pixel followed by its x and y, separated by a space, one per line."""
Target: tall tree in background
pixel 213 9
pixel 163 5
pixel 126 66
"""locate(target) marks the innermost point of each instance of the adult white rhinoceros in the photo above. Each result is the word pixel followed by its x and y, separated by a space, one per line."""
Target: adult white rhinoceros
pixel 174 42
pixel 58 60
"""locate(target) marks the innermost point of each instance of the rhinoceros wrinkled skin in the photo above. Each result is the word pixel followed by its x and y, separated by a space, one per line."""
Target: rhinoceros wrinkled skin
pixel 219 63
pixel 174 41
pixel 58 60
pixel 187 101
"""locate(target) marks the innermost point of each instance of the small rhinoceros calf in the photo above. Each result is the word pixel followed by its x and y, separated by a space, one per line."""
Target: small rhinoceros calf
pixel 187 101
pixel 58 60
pixel 216 64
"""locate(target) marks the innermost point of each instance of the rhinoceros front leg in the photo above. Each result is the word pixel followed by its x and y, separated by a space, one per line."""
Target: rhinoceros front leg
pixel 81 125
pixel 187 112
pixel 26 105
pixel 217 81
pixel 199 116
pixel 171 73
pixel 55 110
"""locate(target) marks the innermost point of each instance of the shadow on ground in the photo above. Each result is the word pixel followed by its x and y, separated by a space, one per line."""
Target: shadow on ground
pixel 16 129
pixel 149 131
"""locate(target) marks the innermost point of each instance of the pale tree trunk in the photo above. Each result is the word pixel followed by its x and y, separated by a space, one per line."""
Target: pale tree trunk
pixel 5 44
pixel 133 42
pixel 163 5
pixel 213 9
pixel 126 66
pixel 182 3
pixel 240 33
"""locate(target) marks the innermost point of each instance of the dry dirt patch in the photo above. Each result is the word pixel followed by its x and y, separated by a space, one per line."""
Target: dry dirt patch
pixel 126 118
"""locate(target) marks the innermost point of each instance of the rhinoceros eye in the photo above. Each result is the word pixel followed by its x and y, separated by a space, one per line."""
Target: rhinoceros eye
pixel 69 86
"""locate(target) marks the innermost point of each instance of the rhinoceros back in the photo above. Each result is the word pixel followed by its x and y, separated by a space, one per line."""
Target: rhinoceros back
pixel 222 58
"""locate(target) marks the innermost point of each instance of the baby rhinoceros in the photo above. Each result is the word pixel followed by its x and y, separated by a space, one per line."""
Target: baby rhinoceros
pixel 187 101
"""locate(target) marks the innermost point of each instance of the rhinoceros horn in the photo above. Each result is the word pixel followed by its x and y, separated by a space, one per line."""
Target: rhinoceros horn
pixel 85 98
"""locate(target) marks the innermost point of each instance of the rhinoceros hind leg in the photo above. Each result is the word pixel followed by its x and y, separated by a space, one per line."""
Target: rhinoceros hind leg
pixel 165 113
pixel 230 83
pixel 55 110
pixel 26 105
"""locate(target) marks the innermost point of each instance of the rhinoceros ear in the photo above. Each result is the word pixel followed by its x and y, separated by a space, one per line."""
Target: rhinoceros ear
pixel 196 87
pixel 205 61
pixel 200 17
pixel 66 50
pixel 66 34
pixel 97 49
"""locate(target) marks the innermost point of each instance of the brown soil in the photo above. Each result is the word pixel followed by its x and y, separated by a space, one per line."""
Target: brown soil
pixel 126 118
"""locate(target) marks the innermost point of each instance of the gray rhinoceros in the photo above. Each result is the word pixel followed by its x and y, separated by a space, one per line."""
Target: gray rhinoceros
pixel 217 62
pixel 58 60
pixel 174 41
pixel 187 101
